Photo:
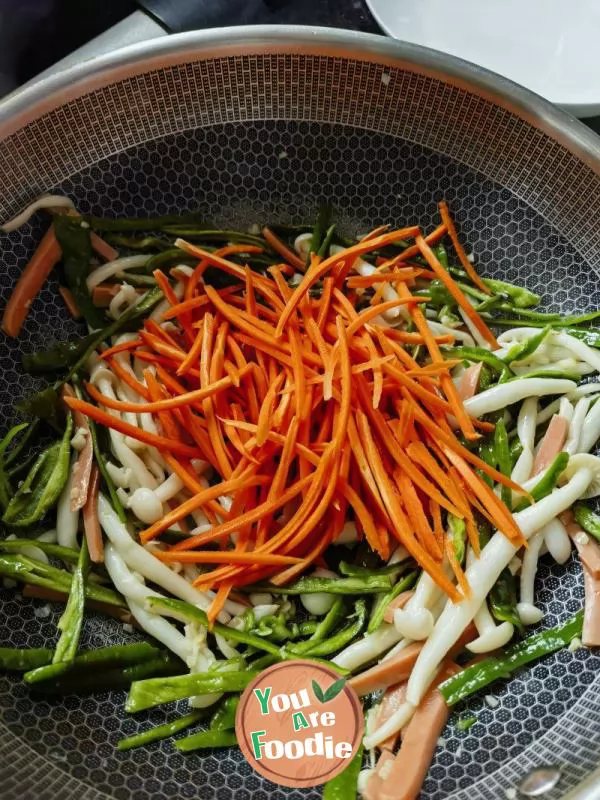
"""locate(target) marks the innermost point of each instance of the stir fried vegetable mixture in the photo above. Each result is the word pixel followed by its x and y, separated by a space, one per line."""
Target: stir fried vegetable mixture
pixel 286 444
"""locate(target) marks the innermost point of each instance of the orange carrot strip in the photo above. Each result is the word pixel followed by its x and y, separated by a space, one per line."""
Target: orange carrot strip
pixel 431 238
pixel 31 280
pixel 317 270
pixel 224 557
pixel 201 499
pixel 462 256
pixel 128 378
pixel 456 291
pixel 283 250
pixel 266 410
pixel 172 402
pixel 109 421
pixel 122 347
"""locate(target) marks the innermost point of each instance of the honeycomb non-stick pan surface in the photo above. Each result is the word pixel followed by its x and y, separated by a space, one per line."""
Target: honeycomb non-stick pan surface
pixel 264 124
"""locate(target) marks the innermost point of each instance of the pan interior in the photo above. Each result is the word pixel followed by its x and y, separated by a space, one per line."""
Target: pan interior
pixel 238 174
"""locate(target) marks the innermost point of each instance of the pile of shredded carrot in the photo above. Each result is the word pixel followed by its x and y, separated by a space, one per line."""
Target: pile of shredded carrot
pixel 311 412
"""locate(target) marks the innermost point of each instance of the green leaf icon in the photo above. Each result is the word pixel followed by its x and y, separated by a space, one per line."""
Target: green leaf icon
pixel 318 692
pixel 335 688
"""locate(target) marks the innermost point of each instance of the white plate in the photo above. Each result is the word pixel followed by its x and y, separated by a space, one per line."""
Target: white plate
pixel 549 46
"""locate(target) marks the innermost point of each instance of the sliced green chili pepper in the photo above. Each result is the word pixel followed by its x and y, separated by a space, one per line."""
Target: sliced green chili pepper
pixel 587 519
pixel 356 585
pixel 358 571
pixel 521 351
pixel 487 453
pixel 345 785
pixel 23 445
pixel 205 740
pixel 186 612
pixel 142 223
pixel 95 661
pixel 132 243
pixel 28 570
pixel 503 599
pixel 520 296
pixel 556 374
pixel 161 731
pixel 326 244
pixel 73 236
pixel 168 258
pixel 23 660
pixel 478 354
pixel 319 231
pixel 383 600
pixel 442 255
pixel 502 456
pixel 457 531
pixel 71 620
pixel 343 637
pixel 90 682
pixel 516 448
pixel 548 482
pixel 5 486
pixel 224 717
pixel 156 691
pixel 324 628
pixel 44 405
pixel 43 485
pixel 476 677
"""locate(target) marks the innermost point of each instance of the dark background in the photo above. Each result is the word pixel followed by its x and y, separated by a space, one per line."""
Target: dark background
pixel 34 34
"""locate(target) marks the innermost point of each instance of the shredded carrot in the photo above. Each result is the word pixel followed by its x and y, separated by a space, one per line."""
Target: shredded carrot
pixel 462 256
pixel 283 250
pixel 30 282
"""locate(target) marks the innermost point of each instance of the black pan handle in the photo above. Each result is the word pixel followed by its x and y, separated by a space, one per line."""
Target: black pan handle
pixel 176 16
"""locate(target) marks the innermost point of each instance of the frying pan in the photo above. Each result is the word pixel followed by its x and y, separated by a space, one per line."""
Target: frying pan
pixel 257 124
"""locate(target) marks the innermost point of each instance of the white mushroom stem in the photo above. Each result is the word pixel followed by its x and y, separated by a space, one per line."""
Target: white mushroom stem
pixel 139 559
pixel 479 340
pixel 526 608
pixel 481 576
pixel 443 330
pixel 491 636
pixel 526 425
pixel 100 274
pixel 415 621
pixel 590 430
pixel 368 648
pixel 557 541
pixel 46 201
pixel 505 394
pixel 67 521
pixel 135 593
pixel 576 425
pixel 578 348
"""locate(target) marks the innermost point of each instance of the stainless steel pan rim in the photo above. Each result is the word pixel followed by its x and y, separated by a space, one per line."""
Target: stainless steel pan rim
pixel 23 106
pixel 19 110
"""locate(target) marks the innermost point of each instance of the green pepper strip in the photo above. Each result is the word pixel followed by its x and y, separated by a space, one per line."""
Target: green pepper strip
pixel 319 232
pixel 503 599
pixel 476 677
pixel 5 487
pixel 383 600
pixel 71 620
pixel 123 655
pixel 345 785
pixel 548 482
pixel 141 223
pixel 28 570
pixel 186 612
pixel 358 571
pixel 41 488
pixel 161 731
pixel 66 554
pixel 502 456
pixel 100 461
pixel 22 660
pixel 156 691
pixel 519 352
pixel 364 585
pixel 224 717
pixel 81 683
pixel 324 628
pixel 343 637
pixel 206 739
pixel 479 354
pixel 587 519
